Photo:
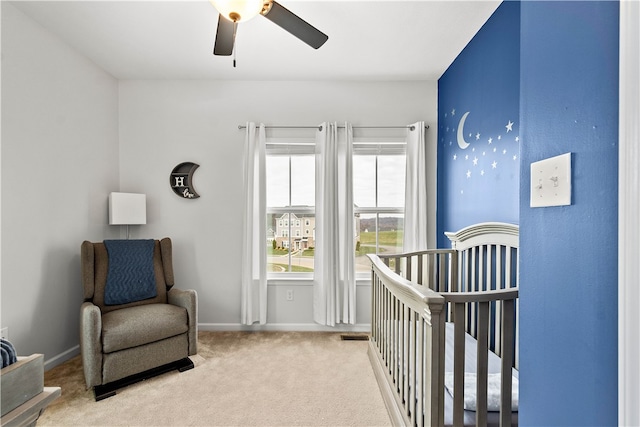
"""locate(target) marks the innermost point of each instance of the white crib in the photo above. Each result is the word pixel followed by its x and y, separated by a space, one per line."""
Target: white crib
pixel 444 321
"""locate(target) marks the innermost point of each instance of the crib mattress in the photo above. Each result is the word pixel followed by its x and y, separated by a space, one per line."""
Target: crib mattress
pixel 493 418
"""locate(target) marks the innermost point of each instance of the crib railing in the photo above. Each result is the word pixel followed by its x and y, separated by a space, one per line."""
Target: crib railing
pixel 479 268
pixel 488 260
pixel 436 269
pixel 482 302
pixel 407 330
pixel 414 295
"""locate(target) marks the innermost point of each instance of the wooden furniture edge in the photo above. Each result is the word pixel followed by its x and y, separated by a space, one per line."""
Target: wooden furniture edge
pixel 388 396
pixel 29 411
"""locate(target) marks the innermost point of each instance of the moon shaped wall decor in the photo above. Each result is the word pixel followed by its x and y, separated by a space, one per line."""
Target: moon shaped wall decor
pixel 461 142
pixel 181 180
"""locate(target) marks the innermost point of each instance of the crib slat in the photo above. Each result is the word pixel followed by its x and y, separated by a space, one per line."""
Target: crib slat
pixel 516 362
pixel 482 368
pixel 404 366
pixel 497 324
pixel 471 286
pixel 387 328
pixel 412 404
pixel 458 363
pixel 439 279
pixel 419 382
pixel 482 260
pixel 394 341
pixel 464 272
pixel 507 268
pixel 507 362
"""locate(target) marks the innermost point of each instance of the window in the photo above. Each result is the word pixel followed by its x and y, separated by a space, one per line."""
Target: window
pixel 378 195
pixel 290 201
pixel 378 191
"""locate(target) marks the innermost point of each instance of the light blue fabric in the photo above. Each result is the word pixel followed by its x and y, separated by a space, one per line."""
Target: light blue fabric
pixel 493 391
pixel 130 276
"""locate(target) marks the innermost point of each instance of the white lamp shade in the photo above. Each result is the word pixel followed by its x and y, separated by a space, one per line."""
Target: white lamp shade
pixel 238 10
pixel 127 208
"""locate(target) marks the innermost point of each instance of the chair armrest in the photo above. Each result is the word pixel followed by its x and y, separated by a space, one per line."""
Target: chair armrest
pixel 91 343
pixel 187 299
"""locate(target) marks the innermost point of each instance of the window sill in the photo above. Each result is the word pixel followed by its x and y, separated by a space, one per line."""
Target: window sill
pixel 306 281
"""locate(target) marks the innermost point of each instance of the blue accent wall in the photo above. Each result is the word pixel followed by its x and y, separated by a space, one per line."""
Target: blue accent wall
pixel 480 181
pixel 568 266
pixel 551 68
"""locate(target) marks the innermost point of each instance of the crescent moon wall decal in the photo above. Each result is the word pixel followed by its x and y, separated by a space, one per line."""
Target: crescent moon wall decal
pixel 461 142
pixel 181 180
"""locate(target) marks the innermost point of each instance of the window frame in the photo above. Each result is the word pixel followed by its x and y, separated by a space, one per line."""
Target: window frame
pixel 289 147
pixel 377 147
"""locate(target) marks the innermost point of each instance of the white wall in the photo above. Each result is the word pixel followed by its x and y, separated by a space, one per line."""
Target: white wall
pixel 164 123
pixel 71 133
pixel 629 210
pixel 59 161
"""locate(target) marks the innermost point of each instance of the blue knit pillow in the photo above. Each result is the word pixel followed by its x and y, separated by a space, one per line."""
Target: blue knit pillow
pixel 130 276
pixel 8 353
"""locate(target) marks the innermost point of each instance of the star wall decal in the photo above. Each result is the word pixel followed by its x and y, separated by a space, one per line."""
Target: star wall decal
pixel 485 158
pixel 509 126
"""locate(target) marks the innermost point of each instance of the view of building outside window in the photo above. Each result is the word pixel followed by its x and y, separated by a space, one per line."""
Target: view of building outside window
pixel 378 191
pixel 290 213
pixel 378 196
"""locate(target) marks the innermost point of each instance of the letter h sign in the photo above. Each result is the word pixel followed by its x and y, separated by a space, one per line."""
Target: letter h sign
pixel 181 180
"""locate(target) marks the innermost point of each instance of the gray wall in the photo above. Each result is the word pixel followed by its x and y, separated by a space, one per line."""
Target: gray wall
pixel 59 161
pixel 71 133
pixel 163 123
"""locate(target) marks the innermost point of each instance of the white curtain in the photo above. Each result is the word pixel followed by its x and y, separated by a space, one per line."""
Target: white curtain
pixel 334 276
pixel 415 207
pixel 254 244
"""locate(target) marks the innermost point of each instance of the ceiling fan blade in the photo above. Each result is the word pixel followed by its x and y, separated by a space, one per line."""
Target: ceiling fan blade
pixel 281 16
pixel 225 37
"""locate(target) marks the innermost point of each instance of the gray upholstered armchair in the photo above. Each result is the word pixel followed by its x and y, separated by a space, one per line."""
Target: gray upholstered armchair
pixel 133 324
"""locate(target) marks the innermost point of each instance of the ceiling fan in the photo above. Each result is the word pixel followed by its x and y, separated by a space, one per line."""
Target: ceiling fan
pixel 233 11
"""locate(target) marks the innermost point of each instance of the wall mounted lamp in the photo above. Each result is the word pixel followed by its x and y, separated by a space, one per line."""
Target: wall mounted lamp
pixel 127 209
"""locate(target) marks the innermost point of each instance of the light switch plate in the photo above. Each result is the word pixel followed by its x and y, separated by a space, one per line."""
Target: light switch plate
pixel 551 181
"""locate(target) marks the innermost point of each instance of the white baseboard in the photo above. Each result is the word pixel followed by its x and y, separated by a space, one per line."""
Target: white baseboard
pixel 61 358
pixel 284 327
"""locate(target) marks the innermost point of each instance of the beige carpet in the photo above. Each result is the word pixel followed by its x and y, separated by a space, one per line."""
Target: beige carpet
pixel 240 379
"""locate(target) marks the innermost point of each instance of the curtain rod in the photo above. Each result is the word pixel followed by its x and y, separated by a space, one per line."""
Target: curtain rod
pixel 410 127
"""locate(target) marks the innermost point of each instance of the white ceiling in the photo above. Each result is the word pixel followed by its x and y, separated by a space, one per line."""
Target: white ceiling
pixel 368 40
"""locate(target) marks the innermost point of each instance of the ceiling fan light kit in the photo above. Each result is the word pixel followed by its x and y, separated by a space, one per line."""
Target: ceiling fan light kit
pixel 234 11
pixel 240 10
